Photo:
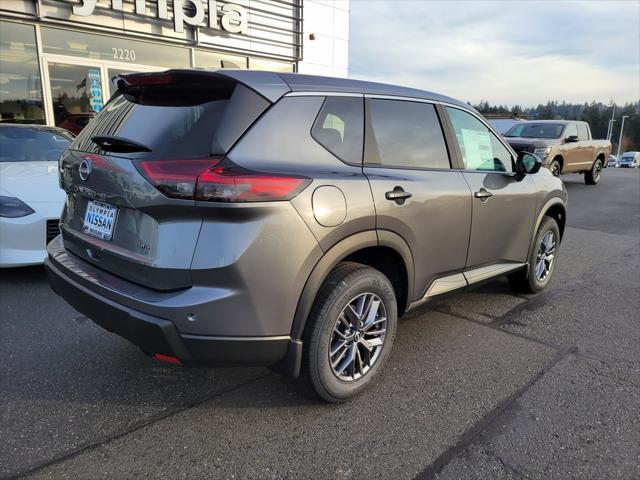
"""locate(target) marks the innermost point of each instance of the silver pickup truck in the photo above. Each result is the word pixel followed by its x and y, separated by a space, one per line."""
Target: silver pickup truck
pixel 564 146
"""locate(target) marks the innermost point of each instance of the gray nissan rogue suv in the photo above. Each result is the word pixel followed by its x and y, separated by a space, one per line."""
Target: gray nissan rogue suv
pixel 254 218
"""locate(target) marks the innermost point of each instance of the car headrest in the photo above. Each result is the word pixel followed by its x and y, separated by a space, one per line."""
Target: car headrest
pixel 329 137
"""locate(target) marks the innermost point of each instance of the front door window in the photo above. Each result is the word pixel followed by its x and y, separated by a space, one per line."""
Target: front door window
pixel 480 148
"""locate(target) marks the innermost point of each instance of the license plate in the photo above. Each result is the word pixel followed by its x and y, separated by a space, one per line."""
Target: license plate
pixel 100 219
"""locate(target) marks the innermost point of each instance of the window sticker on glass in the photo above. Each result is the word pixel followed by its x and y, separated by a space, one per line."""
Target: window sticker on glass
pixel 477 149
pixel 95 90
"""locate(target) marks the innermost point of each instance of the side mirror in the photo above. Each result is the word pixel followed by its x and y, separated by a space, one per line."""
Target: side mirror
pixel 571 139
pixel 527 163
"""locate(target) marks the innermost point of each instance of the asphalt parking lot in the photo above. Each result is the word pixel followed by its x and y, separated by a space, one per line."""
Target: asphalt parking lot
pixel 484 385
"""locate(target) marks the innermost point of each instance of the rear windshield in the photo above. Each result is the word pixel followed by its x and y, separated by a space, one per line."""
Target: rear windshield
pixel 19 144
pixel 536 130
pixel 176 121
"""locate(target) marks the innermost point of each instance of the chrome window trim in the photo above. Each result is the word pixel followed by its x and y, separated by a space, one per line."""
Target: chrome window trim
pixel 401 98
pixel 323 94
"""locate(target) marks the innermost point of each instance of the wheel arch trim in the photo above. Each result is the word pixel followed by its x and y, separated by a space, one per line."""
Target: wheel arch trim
pixel 543 212
pixel 333 256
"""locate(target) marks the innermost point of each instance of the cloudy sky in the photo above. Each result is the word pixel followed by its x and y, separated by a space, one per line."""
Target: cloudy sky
pixel 515 52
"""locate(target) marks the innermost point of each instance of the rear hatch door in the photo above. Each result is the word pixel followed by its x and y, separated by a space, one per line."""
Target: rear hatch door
pixel 130 175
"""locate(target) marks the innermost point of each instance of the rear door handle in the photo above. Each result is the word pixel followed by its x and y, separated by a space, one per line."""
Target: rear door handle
pixel 482 194
pixel 397 195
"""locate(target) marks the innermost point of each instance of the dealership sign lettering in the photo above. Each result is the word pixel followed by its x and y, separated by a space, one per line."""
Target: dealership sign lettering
pixel 233 18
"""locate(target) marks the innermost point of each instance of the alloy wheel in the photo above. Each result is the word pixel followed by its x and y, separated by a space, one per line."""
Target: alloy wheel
pixel 545 257
pixel 358 337
pixel 597 170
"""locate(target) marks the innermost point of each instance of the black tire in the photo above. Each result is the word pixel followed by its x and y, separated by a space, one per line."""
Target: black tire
pixel 556 168
pixel 526 280
pixel 347 282
pixel 591 177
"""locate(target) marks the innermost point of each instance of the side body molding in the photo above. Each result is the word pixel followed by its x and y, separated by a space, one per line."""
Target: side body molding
pixel 458 281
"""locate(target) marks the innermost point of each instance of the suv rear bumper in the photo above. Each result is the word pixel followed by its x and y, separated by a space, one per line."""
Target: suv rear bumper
pixel 157 335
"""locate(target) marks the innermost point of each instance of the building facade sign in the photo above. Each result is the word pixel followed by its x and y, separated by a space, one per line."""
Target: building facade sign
pixel 233 18
pixel 58 58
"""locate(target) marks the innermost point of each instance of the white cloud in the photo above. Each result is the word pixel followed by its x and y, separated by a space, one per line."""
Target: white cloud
pixel 506 52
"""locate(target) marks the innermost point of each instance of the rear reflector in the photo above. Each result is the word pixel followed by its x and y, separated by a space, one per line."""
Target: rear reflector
pixel 166 358
pixel 213 180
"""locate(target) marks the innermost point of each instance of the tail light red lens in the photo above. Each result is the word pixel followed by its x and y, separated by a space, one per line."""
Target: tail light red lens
pixel 213 180
pixel 147 79
pixel 167 358
pixel 175 178
pixel 227 182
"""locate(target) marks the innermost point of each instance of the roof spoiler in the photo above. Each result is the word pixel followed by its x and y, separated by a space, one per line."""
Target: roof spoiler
pixel 267 84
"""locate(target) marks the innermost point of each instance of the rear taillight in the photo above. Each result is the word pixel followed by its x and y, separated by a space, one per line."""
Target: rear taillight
pixel 167 358
pixel 228 182
pixel 146 79
pixel 175 178
pixel 213 180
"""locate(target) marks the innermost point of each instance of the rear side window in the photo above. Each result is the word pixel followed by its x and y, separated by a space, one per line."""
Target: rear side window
pixel 583 132
pixel 571 130
pixel 406 134
pixel 339 128
pixel 177 122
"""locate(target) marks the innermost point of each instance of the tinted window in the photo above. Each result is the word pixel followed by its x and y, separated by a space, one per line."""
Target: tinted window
pixel 536 130
pixel 177 121
pixel 339 127
pixel 570 130
pixel 480 148
pixel 407 134
pixel 18 144
pixel 583 132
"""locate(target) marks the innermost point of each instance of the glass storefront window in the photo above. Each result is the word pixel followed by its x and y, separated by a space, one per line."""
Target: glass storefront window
pixel 218 60
pixel 121 50
pixel 271 65
pixel 76 93
pixel 20 85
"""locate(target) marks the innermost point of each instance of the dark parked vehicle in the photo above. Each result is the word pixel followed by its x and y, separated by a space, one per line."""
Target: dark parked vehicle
pixel 503 125
pixel 255 218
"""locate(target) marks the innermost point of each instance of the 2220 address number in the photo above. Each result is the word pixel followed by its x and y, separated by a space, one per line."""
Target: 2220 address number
pixel 123 54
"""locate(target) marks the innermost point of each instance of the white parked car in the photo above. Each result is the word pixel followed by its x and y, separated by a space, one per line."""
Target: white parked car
pixel 31 200
pixel 629 159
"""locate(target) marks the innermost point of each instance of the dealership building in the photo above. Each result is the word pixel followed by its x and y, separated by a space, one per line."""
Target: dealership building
pixel 57 57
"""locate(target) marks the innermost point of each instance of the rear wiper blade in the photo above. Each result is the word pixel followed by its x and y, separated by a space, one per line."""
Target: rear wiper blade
pixel 111 143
